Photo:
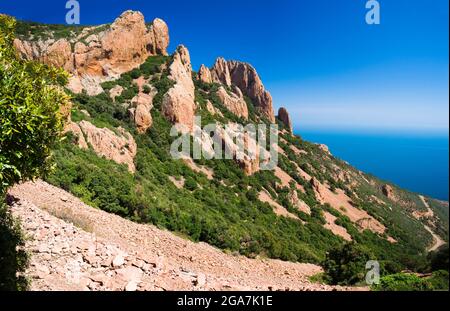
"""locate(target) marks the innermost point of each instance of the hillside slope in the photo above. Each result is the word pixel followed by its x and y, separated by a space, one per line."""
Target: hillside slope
pixel 116 155
pixel 76 247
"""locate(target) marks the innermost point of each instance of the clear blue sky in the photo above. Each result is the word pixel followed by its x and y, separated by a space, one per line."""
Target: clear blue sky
pixel 317 57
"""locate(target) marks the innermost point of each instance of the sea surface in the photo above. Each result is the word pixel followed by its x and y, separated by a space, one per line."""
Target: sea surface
pixel 418 163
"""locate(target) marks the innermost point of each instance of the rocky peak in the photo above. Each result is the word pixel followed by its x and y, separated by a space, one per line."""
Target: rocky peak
pixel 204 74
pixel 220 72
pixel 159 32
pixel 283 116
pixel 179 102
pixel 234 102
pixel 245 77
pixel 101 53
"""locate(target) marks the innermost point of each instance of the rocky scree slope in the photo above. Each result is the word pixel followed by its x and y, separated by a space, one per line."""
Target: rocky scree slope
pixel 76 247
pixel 116 157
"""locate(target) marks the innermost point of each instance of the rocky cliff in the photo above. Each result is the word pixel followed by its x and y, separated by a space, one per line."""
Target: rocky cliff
pixel 245 77
pixel 100 53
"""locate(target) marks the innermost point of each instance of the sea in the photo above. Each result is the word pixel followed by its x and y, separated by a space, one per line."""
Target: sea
pixel 419 163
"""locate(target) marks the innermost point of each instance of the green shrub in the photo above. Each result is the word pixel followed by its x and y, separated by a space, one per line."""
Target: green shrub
pixel 439 260
pixel 439 280
pixel 147 89
pixel 403 282
pixel 29 105
pixel 346 265
pixel 13 259
pixel 30 125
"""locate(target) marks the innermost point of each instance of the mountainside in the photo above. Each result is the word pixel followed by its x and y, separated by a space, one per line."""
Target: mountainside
pixel 128 92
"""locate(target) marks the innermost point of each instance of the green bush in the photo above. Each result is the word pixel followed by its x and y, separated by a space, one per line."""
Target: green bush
pixel 13 259
pixel 403 282
pixel 439 280
pixel 147 89
pixel 29 112
pixel 439 260
pixel 30 125
pixel 346 265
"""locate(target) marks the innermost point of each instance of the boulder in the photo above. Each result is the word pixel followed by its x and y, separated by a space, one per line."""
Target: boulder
pixel 297 203
pixel 141 111
pixel 246 155
pixel 115 91
pixel 388 191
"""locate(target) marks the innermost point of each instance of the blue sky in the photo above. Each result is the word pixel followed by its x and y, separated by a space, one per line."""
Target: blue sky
pixel 317 57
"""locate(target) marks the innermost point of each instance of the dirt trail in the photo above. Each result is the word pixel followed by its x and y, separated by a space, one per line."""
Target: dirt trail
pixel 437 240
pixel 102 251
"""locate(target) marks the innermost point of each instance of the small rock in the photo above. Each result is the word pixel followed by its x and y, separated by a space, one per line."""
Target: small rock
pixel 118 261
pixel 43 249
pixel 201 280
pixel 131 286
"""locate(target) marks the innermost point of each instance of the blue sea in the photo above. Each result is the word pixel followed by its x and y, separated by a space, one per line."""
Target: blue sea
pixel 418 163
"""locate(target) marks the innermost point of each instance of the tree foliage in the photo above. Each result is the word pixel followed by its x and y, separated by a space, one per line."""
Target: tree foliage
pixel 346 265
pixel 30 122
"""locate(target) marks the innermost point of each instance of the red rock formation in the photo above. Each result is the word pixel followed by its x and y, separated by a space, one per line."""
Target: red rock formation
pixel 245 77
pixel 204 74
pixel 235 103
pixel 140 112
pixel 220 72
pixel 98 54
pixel 119 148
pixel 283 116
pixel 179 102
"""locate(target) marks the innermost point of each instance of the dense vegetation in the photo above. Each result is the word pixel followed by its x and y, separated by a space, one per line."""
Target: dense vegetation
pixel 411 282
pixel 29 127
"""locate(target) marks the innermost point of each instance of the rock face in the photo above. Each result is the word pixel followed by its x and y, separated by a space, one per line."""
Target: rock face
pixel 283 116
pixel 159 37
pixel 115 91
pixel 297 203
pixel 204 74
pixel 101 53
pixel 234 102
pixel 120 148
pixel 78 133
pixel 179 102
pixel 246 155
pixel 245 77
pixel 324 148
pixel 388 191
pixel 220 72
pixel 141 111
